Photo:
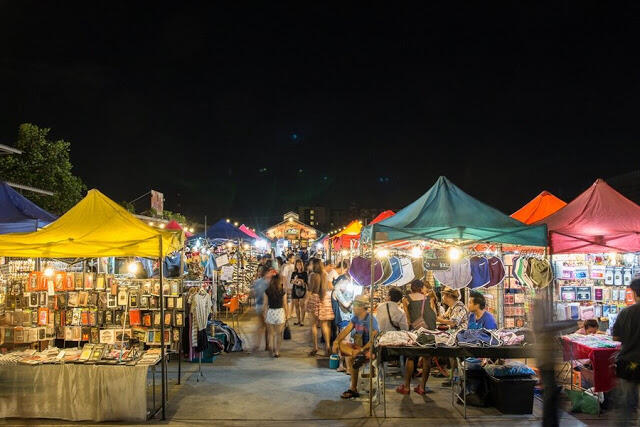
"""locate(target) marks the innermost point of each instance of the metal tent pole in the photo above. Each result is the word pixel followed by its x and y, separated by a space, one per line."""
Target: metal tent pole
pixel 371 326
pixel 162 349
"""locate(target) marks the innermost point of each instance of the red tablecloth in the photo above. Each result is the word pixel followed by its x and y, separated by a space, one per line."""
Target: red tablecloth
pixel 604 373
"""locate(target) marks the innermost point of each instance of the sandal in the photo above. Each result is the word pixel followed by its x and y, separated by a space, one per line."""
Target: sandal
pixel 422 391
pixel 403 390
pixel 350 394
pixel 312 353
pixel 301 324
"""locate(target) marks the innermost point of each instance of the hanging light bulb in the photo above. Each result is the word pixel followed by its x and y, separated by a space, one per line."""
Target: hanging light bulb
pixel 416 252
pixel 382 253
pixel 246 246
pixel 162 225
pixel 454 253
pixel 345 252
pixel 132 267
pixel 151 223
pixel 48 272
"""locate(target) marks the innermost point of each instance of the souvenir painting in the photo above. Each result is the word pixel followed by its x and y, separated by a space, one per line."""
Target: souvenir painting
pixel 133 300
pixel 156 288
pixel 107 336
pixel 78 279
pixel 83 298
pixel 179 319
pixel 180 303
pixel 146 319
pixel 59 282
pixel 108 317
pixel 114 287
pixel 176 335
pixel 93 299
pixel 167 319
pixel 33 299
pixel 112 301
pixel 68 333
pixel 89 280
pixel 43 299
pixel 146 287
pixel 156 318
pixel 170 302
pixel 144 301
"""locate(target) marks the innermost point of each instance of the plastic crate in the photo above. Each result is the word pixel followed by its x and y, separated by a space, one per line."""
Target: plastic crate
pixel 512 395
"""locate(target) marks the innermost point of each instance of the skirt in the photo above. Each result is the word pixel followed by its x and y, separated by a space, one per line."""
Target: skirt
pixel 325 311
pixel 275 316
pixel 313 304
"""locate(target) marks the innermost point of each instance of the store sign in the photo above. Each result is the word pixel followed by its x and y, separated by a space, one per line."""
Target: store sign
pixel 157 201
pixel 436 259
pixel 292 231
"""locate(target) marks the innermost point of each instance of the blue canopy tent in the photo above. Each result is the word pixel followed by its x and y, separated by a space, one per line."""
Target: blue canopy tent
pixel 18 214
pixel 446 212
pixel 222 230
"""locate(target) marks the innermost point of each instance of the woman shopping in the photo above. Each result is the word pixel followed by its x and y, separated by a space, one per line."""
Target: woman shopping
pixel 276 315
pixel 299 281
pixel 319 306
pixel 420 313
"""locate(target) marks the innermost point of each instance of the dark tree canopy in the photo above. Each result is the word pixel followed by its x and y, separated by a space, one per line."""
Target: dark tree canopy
pixel 44 164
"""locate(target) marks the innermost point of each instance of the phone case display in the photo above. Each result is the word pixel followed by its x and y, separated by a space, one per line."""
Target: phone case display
pixel 592 285
pixel 92 308
pixel 519 288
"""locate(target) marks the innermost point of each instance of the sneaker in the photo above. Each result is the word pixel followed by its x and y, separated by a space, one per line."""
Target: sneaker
pixel 403 390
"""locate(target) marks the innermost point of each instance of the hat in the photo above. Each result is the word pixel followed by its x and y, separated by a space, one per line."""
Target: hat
pixel 361 301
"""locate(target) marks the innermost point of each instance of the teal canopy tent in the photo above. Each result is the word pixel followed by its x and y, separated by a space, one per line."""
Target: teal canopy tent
pixel 446 212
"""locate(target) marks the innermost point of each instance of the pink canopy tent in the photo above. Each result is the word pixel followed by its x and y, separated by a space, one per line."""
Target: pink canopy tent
pixel 598 220
pixel 173 225
pixel 246 230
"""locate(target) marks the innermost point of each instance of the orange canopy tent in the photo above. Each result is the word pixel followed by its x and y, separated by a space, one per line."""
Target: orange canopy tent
pixel 543 205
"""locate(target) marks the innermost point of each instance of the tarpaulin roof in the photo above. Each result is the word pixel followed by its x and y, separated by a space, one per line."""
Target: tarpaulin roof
pixel 246 230
pixel 598 220
pixel 222 230
pixel 95 227
pixel 447 212
pixel 543 205
pixel 174 225
pixel 350 232
pixel 19 214
pixel 382 216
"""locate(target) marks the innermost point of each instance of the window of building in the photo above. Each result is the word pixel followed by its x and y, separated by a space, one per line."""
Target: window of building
pixel 311 211
pixel 311 223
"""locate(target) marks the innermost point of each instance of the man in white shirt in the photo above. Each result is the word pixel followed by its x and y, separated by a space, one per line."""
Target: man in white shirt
pixel 286 271
pixel 330 269
pixel 390 316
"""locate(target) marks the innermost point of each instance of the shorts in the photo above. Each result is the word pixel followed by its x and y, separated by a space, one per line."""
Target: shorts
pixel 275 316
pixel 313 305
pixel 325 309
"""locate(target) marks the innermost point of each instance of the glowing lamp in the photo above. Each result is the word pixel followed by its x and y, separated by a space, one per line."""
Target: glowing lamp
pixel 48 272
pixel 454 253
pixel 228 220
pixel 162 225
pixel 132 267
pixel 246 246
pixel 416 252
pixel 382 253
pixel 235 223
pixel 151 223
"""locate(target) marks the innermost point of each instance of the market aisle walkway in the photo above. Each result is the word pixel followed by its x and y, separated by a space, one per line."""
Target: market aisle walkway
pixel 255 388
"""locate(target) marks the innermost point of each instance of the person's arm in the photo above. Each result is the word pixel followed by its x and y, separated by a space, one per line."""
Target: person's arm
pixel 342 299
pixel 366 348
pixel 265 305
pixel 342 335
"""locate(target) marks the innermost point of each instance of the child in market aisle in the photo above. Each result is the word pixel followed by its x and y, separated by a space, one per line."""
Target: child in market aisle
pixel 359 350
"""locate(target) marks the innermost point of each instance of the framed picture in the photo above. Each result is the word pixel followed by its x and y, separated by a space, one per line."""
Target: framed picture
pixel 180 303
pixel 100 318
pixel 108 317
pixel 43 316
pixel 32 281
pixel 93 317
pixel 170 303
pixel 33 299
pixel 73 299
pixel 133 300
pixel 86 334
pixel 95 335
pixel 144 301
pixel 93 299
pixel 59 281
pixel 176 334
pixel 68 333
pixel 77 333
pixel 156 318
pixel 43 299
pixel 146 319
pixel 174 288
pixel 150 337
pixel 153 302
pixel 114 287
pixel 156 288
pixel 167 318
pixel 146 288
pixel 107 336
pixel 84 318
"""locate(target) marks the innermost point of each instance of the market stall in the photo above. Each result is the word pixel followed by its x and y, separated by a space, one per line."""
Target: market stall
pixel 445 225
pixel 100 309
pixel 18 214
pixel 594 242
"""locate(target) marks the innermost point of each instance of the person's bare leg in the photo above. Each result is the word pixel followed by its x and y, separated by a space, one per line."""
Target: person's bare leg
pixel 426 370
pixel 408 373
pixel 326 333
pixel 270 337
pixel 296 305
pixel 314 332
pixel 277 338
pixel 354 379
pixel 303 309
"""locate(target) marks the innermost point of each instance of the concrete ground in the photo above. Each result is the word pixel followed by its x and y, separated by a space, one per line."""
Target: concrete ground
pixel 255 389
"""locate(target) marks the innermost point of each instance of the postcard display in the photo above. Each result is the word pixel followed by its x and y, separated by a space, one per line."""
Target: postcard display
pixel 95 311
pixel 593 286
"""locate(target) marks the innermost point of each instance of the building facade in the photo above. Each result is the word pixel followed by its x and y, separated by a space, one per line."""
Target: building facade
pixel 292 229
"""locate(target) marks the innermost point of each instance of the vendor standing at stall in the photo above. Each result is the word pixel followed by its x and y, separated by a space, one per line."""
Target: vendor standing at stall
pixel 456 317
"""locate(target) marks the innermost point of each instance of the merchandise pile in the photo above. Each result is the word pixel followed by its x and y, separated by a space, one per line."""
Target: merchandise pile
pixel 101 354
pixel 460 338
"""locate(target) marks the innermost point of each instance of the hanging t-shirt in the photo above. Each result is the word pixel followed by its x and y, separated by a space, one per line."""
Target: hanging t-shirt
pixel 480 275
pixel 540 272
pixel 457 276
pixel 496 271
pixel 487 321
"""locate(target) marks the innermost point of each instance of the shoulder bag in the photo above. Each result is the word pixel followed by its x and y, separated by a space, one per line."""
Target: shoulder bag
pixel 396 327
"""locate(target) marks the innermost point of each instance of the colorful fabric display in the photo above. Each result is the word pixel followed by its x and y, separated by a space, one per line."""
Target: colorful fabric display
pixel 480 275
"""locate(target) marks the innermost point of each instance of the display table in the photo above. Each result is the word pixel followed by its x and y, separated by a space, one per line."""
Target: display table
pixel 74 392
pixel 604 373
pixel 460 353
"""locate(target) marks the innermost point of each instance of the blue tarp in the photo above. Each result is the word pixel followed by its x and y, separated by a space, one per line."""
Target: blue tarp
pixel 446 212
pixel 223 230
pixel 18 214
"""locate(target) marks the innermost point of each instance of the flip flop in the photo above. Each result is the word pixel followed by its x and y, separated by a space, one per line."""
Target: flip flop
pixel 312 353
pixel 350 394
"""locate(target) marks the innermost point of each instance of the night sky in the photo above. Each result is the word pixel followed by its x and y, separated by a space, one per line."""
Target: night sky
pixel 248 112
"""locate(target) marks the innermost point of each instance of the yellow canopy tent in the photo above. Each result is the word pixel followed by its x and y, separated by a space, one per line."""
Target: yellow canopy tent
pixel 95 227
pixel 351 232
